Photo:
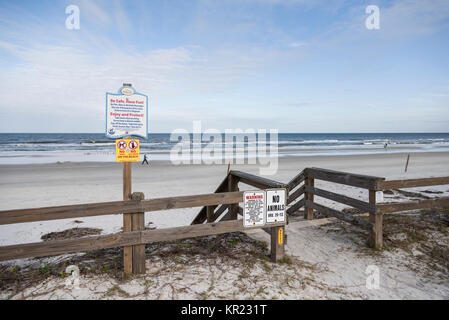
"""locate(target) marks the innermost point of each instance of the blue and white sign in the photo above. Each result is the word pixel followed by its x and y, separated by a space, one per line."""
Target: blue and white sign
pixel 126 113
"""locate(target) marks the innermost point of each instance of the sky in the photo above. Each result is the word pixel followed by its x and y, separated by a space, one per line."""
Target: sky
pixel 292 65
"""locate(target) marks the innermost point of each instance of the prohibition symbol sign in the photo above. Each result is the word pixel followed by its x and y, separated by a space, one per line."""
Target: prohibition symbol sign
pixel 133 144
pixel 121 144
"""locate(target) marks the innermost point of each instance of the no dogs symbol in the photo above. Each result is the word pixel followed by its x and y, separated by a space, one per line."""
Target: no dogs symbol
pixel 121 144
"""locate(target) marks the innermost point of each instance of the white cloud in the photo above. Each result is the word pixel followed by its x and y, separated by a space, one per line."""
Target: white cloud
pixel 67 81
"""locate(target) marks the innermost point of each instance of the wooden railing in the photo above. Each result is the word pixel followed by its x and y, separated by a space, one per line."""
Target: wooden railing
pixel 373 225
pixel 137 238
pixel 230 184
pixel 372 184
pixel 220 213
pixel 296 189
pixel 225 212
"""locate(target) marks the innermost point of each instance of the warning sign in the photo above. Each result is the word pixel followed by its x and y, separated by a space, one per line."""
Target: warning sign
pixel 127 150
pixel 276 205
pixel 253 208
pixel 281 236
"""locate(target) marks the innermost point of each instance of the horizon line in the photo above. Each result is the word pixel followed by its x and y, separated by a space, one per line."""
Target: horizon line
pixel 224 132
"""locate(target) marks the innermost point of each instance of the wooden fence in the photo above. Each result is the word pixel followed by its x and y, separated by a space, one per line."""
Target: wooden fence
pixel 138 236
pixel 302 192
pixel 219 213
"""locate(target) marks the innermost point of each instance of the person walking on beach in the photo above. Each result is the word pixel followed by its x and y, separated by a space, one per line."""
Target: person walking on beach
pixel 145 159
pixel 385 146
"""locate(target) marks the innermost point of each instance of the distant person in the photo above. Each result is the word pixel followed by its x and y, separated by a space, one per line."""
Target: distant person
pixel 145 159
pixel 385 146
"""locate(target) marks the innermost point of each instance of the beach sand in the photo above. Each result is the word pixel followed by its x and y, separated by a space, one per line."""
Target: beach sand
pixel 342 265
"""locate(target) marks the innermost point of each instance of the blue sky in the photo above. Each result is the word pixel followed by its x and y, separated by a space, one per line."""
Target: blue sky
pixel 292 65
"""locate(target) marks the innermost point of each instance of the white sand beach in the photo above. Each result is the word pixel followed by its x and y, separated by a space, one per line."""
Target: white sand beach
pixel 328 260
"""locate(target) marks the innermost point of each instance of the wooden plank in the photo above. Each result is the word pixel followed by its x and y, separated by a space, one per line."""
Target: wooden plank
pixel 375 237
pixel 277 243
pixel 117 207
pixel 413 205
pixel 233 182
pixel 367 207
pixel 70 211
pixel 196 231
pixel 210 213
pixel 254 184
pixel 296 206
pixel 296 180
pixel 106 208
pixel 51 248
pixel 292 197
pixel 410 183
pixel 211 199
pixel 340 215
pixel 308 212
pixel 138 251
pixel 355 180
pixel 256 181
pixel 201 217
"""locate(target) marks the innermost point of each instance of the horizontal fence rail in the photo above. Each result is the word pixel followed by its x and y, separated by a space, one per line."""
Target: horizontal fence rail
pixel 362 205
pixel 256 181
pixel 351 179
pixel 340 215
pixel 413 205
pixel 117 207
pixel 410 183
pixel 372 184
pixel 70 211
pixel 49 248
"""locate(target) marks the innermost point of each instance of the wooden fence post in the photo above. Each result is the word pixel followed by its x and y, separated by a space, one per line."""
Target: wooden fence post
pixel 375 239
pixel 138 224
pixel 277 243
pixel 233 186
pixel 127 224
pixel 210 214
pixel 308 212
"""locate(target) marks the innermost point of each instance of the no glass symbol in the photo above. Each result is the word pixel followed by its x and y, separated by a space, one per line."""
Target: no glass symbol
pixel 133 145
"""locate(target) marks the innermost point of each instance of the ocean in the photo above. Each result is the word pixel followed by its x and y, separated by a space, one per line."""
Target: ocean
pixel 28 148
